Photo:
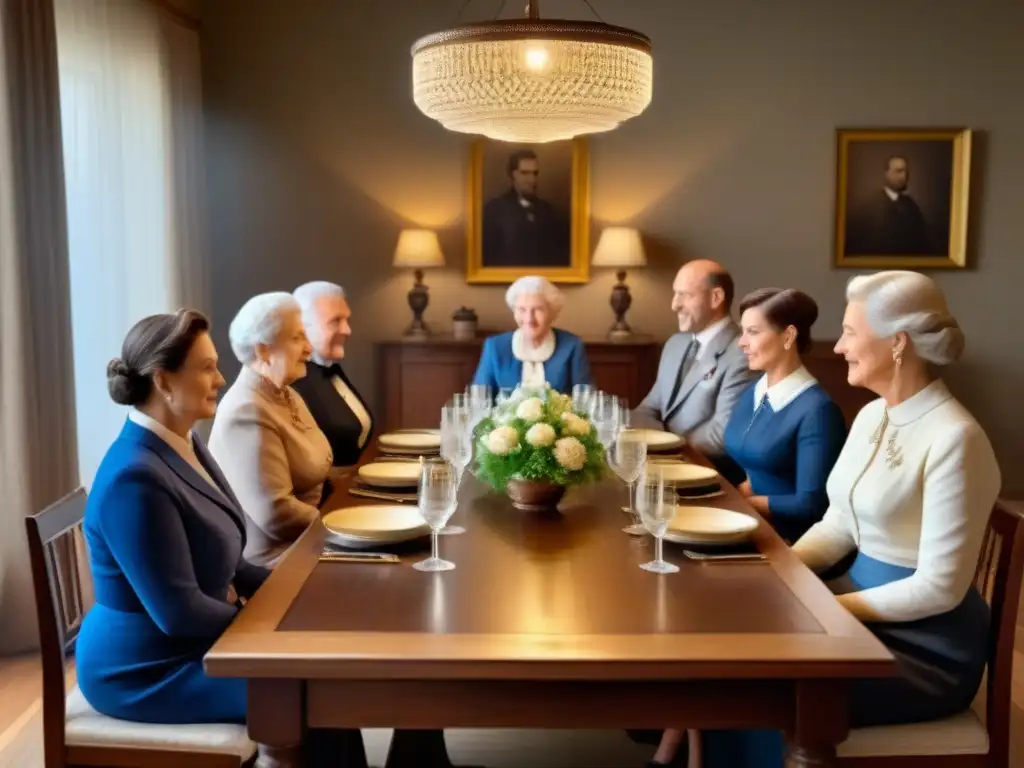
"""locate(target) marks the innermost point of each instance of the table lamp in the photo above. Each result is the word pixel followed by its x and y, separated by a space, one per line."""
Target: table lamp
pixel 620 247
pixel 418 249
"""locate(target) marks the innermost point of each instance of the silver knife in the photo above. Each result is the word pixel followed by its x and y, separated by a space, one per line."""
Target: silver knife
pixel 359 557
pixel 382 496
pixel 749 557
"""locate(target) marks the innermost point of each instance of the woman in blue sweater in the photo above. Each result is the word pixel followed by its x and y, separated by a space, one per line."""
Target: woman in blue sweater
pixel 536 354
pixel 785 431
pixel 165 537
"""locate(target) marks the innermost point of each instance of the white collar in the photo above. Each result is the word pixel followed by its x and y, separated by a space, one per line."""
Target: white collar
pixel 782 393
pixel 315 358
pixel 917 405
pixel 703 338
pixel 525 353
pixel 893 195
pixel 180 445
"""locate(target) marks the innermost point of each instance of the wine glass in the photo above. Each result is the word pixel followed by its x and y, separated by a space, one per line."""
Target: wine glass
pixel 603 414
pixel 456 449
pixel 504 395
pixel 437 502
pixel 627 457
pixel 581 395
pixel 656 500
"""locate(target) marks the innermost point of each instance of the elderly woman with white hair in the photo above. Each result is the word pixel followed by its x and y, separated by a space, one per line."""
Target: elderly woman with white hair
pixel 536 353
pixel 910 495
pixel 264 437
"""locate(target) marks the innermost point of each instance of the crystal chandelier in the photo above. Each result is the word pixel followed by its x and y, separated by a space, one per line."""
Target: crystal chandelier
pixel 532 80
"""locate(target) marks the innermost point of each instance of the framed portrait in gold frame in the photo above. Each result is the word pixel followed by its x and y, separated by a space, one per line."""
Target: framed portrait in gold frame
pixel 901 198
pixel 528 211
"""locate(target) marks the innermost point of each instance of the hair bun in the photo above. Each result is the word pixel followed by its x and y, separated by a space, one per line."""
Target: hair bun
pixel 124 384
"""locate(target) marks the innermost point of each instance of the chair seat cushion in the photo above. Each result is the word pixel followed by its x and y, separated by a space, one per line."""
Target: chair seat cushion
pixel 84 726
pixel 962 734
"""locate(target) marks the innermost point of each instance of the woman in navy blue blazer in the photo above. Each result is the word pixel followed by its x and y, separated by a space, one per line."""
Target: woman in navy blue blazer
pixel 165 537
pixel 536 353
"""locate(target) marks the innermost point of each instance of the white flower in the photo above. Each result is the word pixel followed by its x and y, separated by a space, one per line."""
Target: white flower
pixel 540 435
pixel 575 425
pixel 531 409
pixel 570 453
pixel 502 441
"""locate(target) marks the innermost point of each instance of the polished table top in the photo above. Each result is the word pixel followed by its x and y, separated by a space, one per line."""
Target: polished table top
pixel 546 596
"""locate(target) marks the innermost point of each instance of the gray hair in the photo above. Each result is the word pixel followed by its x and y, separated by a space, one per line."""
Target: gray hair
pixel 259 321
pixel 308 294
pixel 909 302
pixel 553 297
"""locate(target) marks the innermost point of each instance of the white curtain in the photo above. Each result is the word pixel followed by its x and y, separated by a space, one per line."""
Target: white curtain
pixel 131 103
pixel 37 419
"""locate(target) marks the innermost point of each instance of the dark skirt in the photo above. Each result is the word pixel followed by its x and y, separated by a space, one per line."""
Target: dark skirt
pixel 941 660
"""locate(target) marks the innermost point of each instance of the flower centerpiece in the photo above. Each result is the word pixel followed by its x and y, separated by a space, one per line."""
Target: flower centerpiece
pixel 533 446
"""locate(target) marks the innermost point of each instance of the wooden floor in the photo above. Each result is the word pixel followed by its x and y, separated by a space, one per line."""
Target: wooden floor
pixel 21 732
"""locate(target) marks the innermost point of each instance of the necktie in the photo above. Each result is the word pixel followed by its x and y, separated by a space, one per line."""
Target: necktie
pixel 689 356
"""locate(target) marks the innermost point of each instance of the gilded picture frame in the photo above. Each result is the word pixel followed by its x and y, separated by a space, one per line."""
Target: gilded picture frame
pixel 511 233
pixel 901 198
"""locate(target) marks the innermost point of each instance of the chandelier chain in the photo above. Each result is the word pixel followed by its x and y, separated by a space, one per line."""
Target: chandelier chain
pixel 462 10
pixel 593 11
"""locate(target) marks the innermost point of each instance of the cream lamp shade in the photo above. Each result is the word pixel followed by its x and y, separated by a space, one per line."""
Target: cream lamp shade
pixel 619 247
pixel 418 249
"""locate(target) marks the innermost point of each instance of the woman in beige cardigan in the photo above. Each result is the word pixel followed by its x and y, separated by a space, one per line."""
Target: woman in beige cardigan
pixel 264 437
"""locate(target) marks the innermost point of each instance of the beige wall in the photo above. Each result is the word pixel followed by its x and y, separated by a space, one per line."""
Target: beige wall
pixel 317 157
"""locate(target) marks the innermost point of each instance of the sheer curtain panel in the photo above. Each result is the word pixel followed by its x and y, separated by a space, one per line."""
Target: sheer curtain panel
pixel 131 103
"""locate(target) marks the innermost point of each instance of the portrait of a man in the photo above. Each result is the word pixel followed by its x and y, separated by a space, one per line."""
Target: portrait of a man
pixel 902 198
pixel 521 228
pixel 528 211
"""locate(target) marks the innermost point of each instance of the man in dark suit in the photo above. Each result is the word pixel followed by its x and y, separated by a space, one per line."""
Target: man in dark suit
pixel 519 228
pixel 890 223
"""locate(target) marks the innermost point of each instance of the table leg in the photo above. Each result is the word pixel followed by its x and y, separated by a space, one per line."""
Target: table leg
pixel 275 722
pixel 805 757
pixel 821 723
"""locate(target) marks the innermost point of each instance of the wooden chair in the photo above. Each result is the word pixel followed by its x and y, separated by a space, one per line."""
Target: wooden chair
pixel 74 734
pixel 966 740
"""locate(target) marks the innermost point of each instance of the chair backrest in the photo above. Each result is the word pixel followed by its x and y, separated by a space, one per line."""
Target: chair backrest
pixel 63 593
pixel 998 578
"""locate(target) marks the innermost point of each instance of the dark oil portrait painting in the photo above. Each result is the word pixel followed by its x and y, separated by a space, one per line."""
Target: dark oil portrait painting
pixel 901 198
pixel 528 211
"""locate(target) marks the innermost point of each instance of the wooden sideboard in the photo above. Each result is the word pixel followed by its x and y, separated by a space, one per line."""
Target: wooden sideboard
pixel 415 378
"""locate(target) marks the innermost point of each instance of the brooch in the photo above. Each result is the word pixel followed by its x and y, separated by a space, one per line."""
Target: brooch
pixel 710 374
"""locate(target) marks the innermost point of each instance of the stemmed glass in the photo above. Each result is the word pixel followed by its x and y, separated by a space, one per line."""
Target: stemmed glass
pixel 604 415
pixel 581 397
pixel 437 502
pixel 627 457
pixel 656 500
pixel 456 449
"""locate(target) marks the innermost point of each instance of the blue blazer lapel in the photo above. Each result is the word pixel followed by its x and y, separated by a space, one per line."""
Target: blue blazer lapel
pixel 211 466
pixel 184 470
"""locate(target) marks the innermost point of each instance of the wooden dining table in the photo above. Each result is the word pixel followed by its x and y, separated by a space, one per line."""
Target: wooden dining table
pixel 548 621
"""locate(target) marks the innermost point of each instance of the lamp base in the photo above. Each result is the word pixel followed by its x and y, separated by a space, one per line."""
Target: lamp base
pixel 620 334
pixel 620 302
pixel 419 298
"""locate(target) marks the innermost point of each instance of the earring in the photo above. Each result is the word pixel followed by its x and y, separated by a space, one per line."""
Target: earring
pixel 898 359
pixel 787 345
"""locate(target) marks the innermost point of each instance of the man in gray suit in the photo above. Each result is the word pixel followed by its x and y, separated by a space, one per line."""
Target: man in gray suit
pixel 702 370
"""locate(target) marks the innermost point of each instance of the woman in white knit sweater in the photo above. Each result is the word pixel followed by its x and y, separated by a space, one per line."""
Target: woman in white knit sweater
pixel 911 493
